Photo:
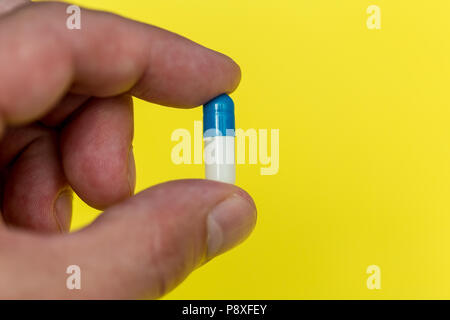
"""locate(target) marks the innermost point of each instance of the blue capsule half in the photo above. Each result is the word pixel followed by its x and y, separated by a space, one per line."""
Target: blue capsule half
pixel 218 117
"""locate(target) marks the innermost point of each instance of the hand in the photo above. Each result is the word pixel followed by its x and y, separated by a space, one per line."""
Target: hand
pixel 66 122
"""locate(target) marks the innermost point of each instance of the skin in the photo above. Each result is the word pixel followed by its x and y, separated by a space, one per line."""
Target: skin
pixel 66 123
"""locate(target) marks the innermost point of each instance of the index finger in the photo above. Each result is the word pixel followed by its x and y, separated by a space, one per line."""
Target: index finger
pixel 41 60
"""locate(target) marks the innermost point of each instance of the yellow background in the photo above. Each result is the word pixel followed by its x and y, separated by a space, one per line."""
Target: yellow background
pixel 364 144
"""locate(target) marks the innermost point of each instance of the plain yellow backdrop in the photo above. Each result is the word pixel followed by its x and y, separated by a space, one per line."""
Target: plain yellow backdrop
pixel 364 144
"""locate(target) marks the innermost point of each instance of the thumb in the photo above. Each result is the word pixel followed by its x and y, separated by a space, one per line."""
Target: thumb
pixel 148 244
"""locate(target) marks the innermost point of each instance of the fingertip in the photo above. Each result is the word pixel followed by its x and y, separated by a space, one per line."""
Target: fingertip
pixel 229 223
pixel 236 75
pixel 97 154
pixel 245 195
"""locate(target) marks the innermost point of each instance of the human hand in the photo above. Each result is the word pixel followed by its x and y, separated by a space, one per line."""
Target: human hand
pixel 66 123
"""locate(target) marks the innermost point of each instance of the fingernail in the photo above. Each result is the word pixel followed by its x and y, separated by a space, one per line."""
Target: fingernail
pixel 63 210
pixel 230 223
pixel 131 171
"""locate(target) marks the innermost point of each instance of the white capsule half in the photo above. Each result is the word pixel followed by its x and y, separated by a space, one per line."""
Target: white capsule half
pixel 220 159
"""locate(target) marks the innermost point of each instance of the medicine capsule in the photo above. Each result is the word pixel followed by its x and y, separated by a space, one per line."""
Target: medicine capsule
pixel 218 135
